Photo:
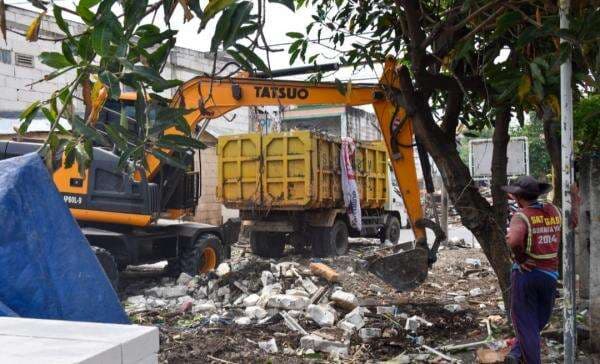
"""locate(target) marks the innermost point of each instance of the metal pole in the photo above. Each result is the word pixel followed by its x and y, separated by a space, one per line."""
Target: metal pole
pixel 444 217
pixel 568 251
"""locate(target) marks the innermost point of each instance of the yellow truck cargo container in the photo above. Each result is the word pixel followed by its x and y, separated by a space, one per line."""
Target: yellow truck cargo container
pixel 287 186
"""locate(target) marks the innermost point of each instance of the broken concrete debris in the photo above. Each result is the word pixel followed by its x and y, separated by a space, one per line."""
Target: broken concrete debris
pixel 354 320
pixel 223 269
pixel 369 333
pixel 345 300
pixel 318 343
pixel 323 315
pixel 288 302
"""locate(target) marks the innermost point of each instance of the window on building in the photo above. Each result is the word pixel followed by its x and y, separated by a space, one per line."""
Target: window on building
pixel 5 56
pixel 24 60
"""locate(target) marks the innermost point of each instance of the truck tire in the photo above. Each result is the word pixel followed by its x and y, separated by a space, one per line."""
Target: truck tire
pixel 202 256
pixel 267 244
pixel 330 241
pixel 109 264
pixel 391 230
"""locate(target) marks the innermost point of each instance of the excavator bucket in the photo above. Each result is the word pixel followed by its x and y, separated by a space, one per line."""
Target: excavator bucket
pixel 405 266
pixel 402 269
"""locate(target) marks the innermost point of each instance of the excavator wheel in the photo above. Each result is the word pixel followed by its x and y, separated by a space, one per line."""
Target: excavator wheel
pixel 267 244
pixel 391 230
pixel 108 263
pixel 330 241
pixel 202 256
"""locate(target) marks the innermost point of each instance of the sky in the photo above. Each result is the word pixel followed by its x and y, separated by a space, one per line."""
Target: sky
pixel 279 21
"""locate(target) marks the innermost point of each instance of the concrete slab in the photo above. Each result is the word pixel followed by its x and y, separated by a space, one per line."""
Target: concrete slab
pixel 134 343
pixel 27 350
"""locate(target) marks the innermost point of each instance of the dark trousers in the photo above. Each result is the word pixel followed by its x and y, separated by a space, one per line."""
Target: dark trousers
pixel 532 300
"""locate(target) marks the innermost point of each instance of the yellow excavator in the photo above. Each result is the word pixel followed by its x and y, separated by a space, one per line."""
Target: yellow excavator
pixel 136 219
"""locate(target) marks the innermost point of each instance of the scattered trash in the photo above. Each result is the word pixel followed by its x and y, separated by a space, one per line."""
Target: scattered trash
pixel 473 262
pixel 324 271
pixel 269 346
pixel 489 356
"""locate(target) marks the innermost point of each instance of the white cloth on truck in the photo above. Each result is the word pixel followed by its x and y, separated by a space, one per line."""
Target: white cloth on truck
pixel 349 187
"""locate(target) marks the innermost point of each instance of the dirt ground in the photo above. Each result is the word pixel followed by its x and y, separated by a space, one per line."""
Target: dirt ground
pixel 189 338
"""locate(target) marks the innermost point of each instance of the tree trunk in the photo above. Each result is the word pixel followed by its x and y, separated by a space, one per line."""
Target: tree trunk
pixel 476 213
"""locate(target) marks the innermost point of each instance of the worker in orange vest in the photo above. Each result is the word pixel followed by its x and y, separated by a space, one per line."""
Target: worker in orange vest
pixel 534 237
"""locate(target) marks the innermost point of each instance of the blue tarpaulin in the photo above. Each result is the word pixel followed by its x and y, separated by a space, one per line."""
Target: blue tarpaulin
pixel 47 269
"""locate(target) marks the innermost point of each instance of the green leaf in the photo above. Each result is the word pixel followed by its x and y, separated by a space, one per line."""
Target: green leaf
pixel 27 116
pixel 49 115
pixel 69 154
pixel 287 3
pixel 60 21
pixel 116 137
pixel 240 15
pixel 84 12
pixel 181 140
pixel 151 35
pixel 505 21
pixel 213 8
pixel 295 35
pixel 536 72
pixel 101 38
pixel 239 59
pixel 168 159
pixel 252 57
pixel 112 82
pixel 134 11
pixel 81 128
pixel 54 60
pixel 83 155
pixel 84 47
pixel 68 52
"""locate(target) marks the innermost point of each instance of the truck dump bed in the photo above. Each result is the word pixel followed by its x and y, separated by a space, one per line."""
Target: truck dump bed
pixel 295 170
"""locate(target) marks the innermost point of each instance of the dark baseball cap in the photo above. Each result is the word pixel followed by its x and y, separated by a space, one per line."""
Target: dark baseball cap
pixel 527 186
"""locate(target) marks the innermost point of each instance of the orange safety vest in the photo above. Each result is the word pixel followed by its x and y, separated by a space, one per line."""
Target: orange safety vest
pixel 544 232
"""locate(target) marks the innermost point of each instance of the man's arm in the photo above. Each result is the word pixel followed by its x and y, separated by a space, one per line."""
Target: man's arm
pixel 517 237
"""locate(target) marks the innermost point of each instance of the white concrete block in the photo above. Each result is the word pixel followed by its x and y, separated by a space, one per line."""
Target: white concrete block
pixel 26 350
pixel 135 342
pixel 150 359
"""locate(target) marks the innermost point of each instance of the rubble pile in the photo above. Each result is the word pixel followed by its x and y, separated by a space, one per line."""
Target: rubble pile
pixel 297 309
pixel 252 291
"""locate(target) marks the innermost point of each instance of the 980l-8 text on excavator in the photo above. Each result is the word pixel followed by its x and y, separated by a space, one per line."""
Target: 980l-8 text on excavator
pixel 136 219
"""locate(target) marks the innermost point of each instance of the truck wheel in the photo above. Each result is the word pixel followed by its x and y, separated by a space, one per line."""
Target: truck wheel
pixel 108 263
pixel 330 241
pixel 391 230
pixel 267 244
pixel 202 256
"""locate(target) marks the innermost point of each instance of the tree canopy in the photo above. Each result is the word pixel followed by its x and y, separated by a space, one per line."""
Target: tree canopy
pixel 121 46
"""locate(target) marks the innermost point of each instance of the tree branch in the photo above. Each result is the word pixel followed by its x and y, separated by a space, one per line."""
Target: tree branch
pixel 454 103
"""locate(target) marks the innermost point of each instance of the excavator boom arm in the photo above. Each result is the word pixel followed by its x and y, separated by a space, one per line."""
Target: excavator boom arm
pixel 212 98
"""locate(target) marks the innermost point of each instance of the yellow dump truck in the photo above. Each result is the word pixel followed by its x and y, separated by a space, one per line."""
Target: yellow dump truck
pixel 288 188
